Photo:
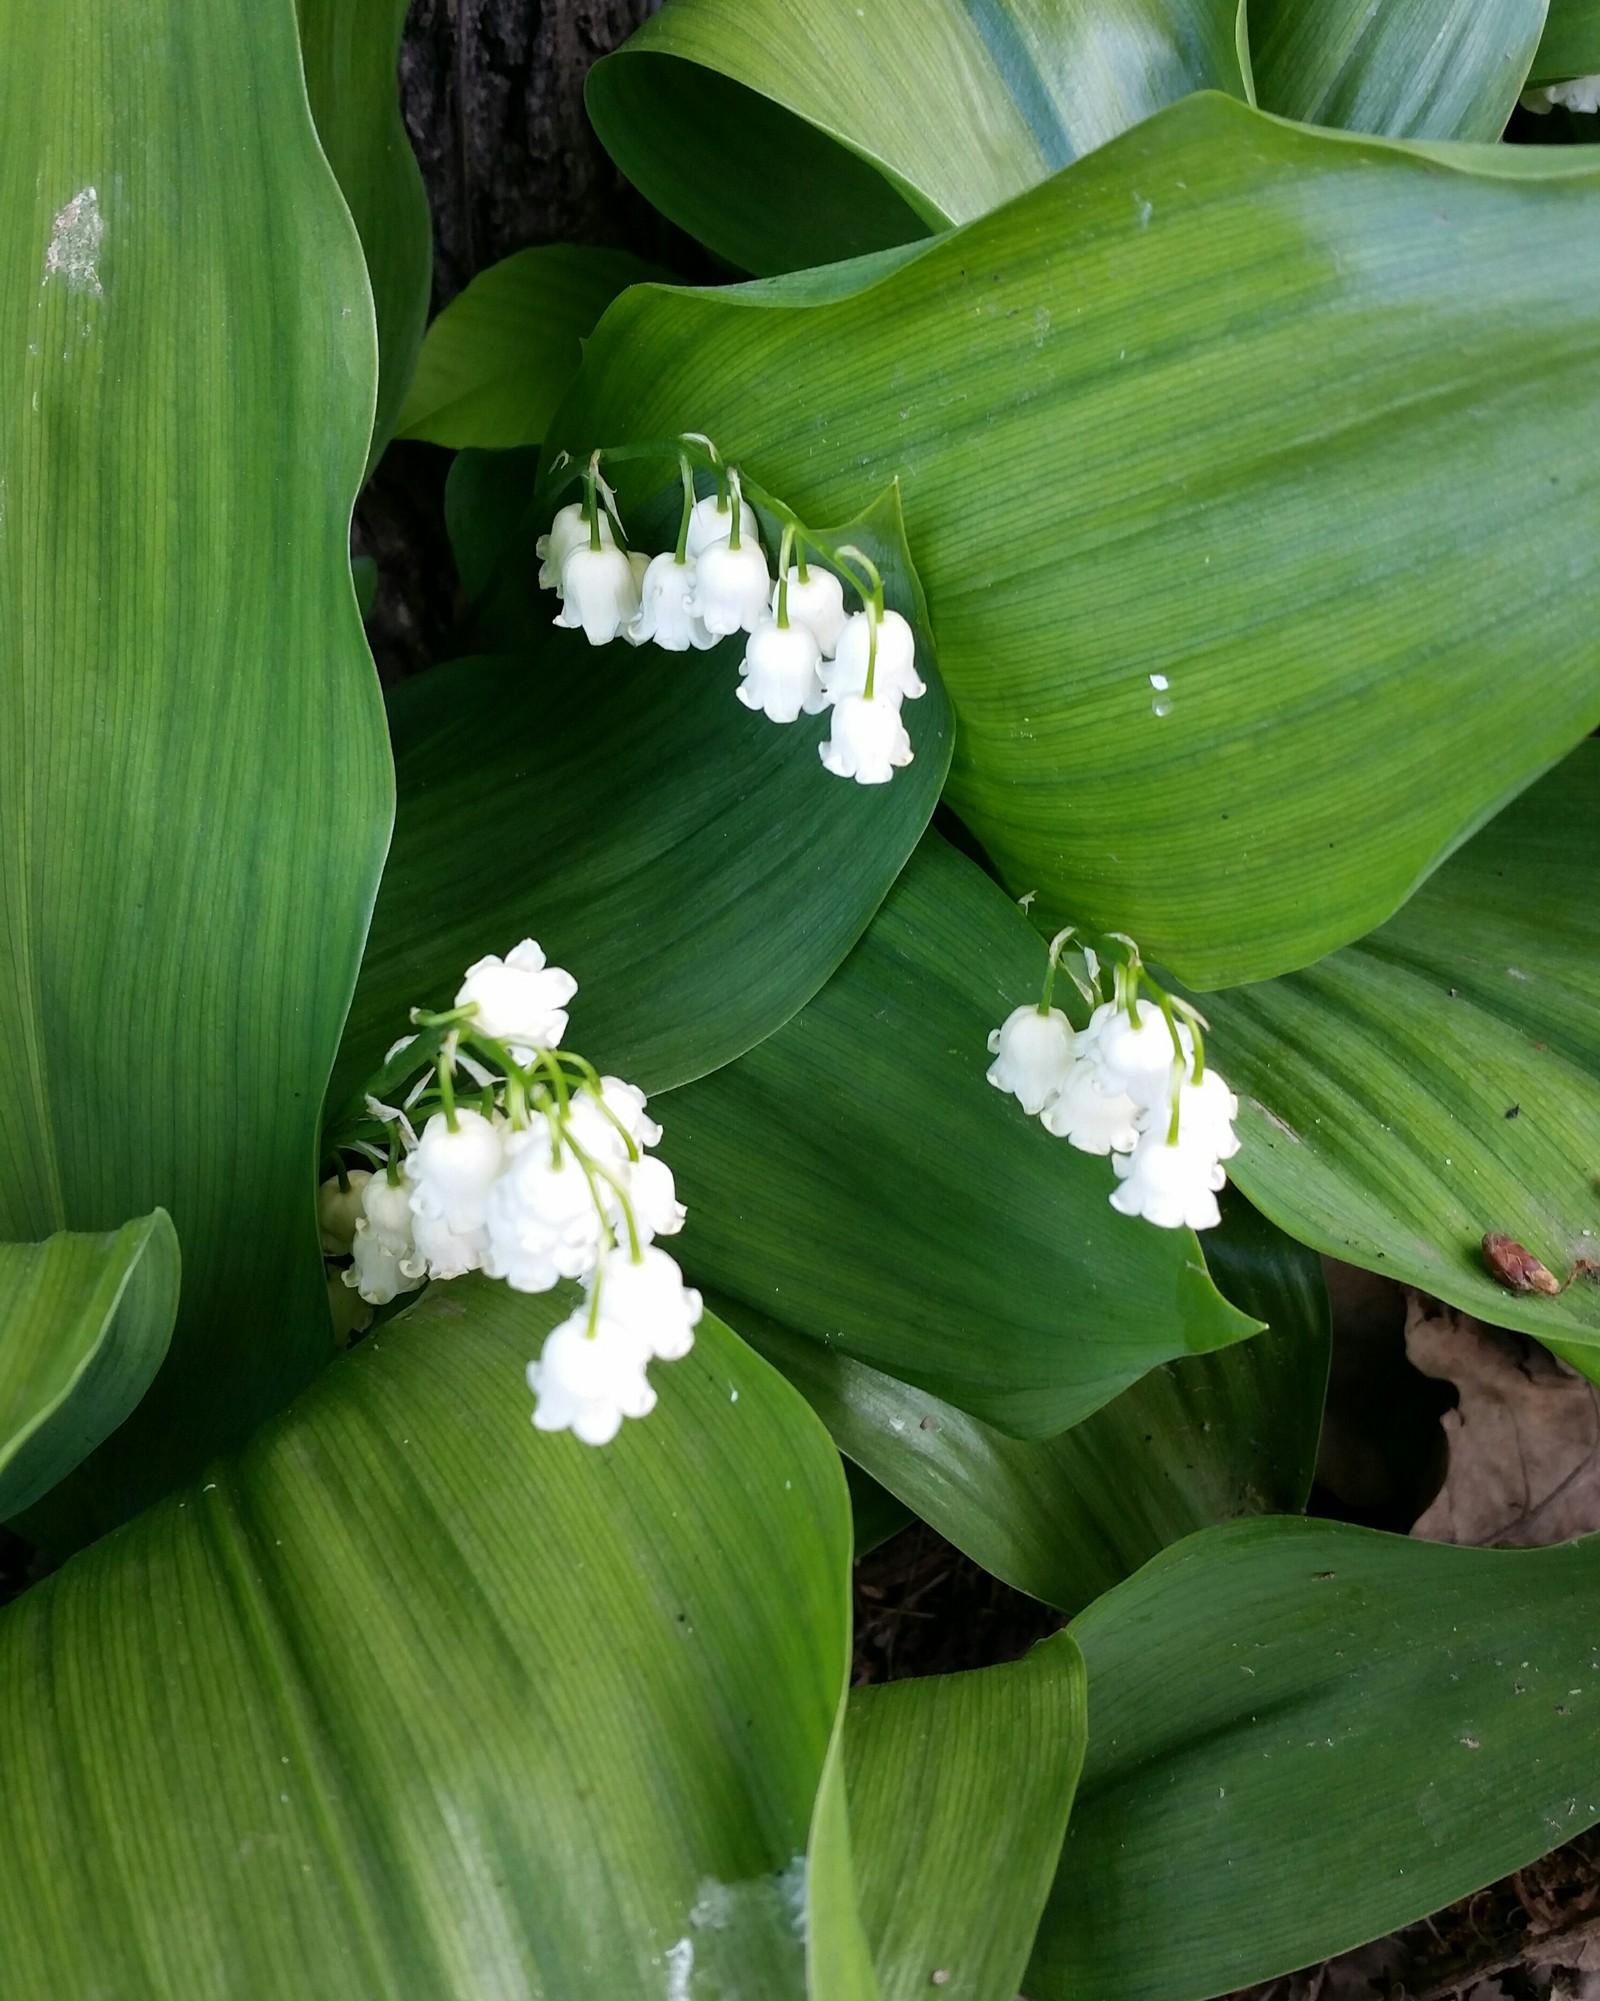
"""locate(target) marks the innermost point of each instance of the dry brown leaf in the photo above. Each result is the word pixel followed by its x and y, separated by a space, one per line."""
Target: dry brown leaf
pixel 1524 1439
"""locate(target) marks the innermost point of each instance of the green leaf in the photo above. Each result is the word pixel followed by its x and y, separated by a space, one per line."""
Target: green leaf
pixel 890 121
pixel 499 358
pixel 194 783
pixel 352 51
pixel 1197 1441
pixel 875 1513
pixel 1415 69
pixel 691 864
pixel 1570 45
pixel 1307 1735
pixel 1439 1079
pixel 414 1701
pixel 84 1323
pixel 856 1177
pixel 492 525
pixel 1282 417
pixel 960 1786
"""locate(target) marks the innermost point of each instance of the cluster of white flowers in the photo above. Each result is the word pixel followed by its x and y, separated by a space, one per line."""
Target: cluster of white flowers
pixel 1134 1084
pixel 548 1176
pixel 805 653
pixel 1579 93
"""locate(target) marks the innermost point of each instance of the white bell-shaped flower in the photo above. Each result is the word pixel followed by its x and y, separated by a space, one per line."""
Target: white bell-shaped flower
pixel 1138 1060
pixel 666 607
pixel 894 675
pixel 568 531
pixel 1206 1112
pixel 542 1218
pixel 604 1129
pixel 1579 93
pixel 338 1210
pixel 709 524
pixel 1033 1056
pixel 779 672
pixel 378 1271
pixel 1092 1119
pixel 588 1382
pixel 817 603
pixel 521 1001
pixel 649 1299
pixel 599 592
pixel 450 1173
pixel 657 1211
pixel 731 587
pixel 386 1214
pixel 442 1251
pixel 868 741
pixel 1170 1186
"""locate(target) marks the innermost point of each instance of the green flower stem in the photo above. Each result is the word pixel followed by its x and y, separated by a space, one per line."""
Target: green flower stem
pixel 1051 963
pixel 686 471
pixel 784 551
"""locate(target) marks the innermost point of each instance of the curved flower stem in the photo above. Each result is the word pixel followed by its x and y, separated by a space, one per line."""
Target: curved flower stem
pixel 1056 944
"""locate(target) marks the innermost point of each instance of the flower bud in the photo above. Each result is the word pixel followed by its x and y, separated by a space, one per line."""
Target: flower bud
pixel 338 1210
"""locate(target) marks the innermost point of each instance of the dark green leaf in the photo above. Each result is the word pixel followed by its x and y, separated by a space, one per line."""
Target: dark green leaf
pixel 1284 418
pixel 1415 69
pixel 692 865
pixel 857 1178
pixel 1570 45
pixel 1196 1441
pixel 1439 1079
pixel 499 358
pixel 194 780
pixel 1305 1735
pixel 415 1702
pixel 84 1323
pixel 960 1786
pixel 884 123
pixel 352 49
pixel 875 1512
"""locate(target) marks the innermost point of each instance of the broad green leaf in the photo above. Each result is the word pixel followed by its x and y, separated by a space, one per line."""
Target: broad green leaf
pixel 875 1513
pixel 412 1701
pixel 839 1959
pixel 84 1323
pixel 857 1178
pixel 960 1786
pixel 692 865
pixel 1415 69
pixel 352 53
pixel 889 120
pixel 1442 1078
pixel 194 781
pixel 1255 410
pixel 1306 1735
pixel 1570 45
pixel 492 523
pixel 1197 1441
pixel 498 359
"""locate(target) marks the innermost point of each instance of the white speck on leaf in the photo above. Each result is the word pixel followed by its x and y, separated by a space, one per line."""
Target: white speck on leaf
pixel 73 252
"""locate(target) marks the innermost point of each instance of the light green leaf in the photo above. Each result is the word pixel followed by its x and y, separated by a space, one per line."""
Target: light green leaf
pixel 838 1959
pixel 855 1177
pixel 960 1786
pixel 889 120
pixel 499 358
pixel 1306 1735
pixel 1285 419
pixel 194 780
pixel 84 1323
pixel 1415 69
pixel 1570 45
pixel 691 864
pixel 1442 1078
pixel 1197 1441
pixel 412 1701
pixel 352 53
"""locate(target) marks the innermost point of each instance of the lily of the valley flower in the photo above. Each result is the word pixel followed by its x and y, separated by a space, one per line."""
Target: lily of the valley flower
pixel 1034 1056
pixel 568 531
pixel 1169 1185
pixel 599 591
pixel 666 607
pixel 731 586
pixel 894 674
pixel 711 521
pixel 817 603
pixel 779 672
pixel 520 1000
pixel 589 1378
pixel 339 1209
pixel 867 742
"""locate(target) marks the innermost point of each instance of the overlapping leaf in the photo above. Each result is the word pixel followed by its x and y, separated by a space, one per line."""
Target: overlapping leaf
pixel 1224 454
pixel 499 358
pixel 1570 45
pixel 84 1323
pixel 1442 1078
pixel 352 49
pixel 1306 1735
pixel 1416 69
pixel 328 1724
pixel 1196 1441
pixel 690 863
pixel 890 120
pixel 194 785
pixel 960 1786
pixel 856 1178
